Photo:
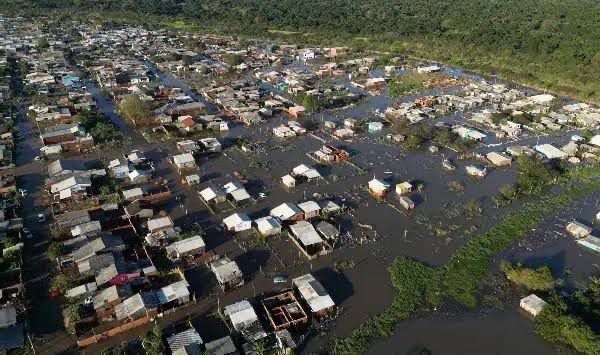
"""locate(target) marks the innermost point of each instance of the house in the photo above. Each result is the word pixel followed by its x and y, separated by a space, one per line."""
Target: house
pixel 329 207
pixel 283 132
pixel 104 302
pixel 188 146
pixel 188 124
pixel 160 223
pixel 222 346
pixel 590 242
pixel 403 188
pixel 76 184
pixel 139 209
pixel 137 306
pixel 210 145
pixel 305 172
pixel 296 111
pixel 174 294
pixel 550 151
pixel 184 161
pixel 120 172
pixel 213 195
pixel 87 228
pixel 185 342
pixel 379 188
pixel 309 241
pixel 237 222
pixel 117 273
pixel 228 273
pixel 311 209
pixel 407 203
pixel 245 321
pixel 284 311
pixel 268 226
pixel 498 159
pixel 81 290
pixel 476 171
pixel 314 294
pixel 327 230
pixel 288 181
pixel 578 230
pixel 287 212
pixel 237 193
pixel 343 133
pixel 532 304
pixel 138 177
pixel 469 133
pixel 192 180
pixel 186 247
pixel 103 244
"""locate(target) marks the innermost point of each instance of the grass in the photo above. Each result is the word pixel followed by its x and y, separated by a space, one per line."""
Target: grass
pixel 420 287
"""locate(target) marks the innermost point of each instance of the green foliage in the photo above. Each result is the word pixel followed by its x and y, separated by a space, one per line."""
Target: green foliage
pixel 134 109
pixel 99 127
pixel 588 300
pixel 152 341
pixel 406 85
pixel 56 250
pixel 533 175
pixel 533 279
pixel 556 325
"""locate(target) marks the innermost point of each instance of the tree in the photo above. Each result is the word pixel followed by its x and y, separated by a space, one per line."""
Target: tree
pixel 152 341
pixel 42 43
pixel 532 174
pixel 63 282
pixel 56 250
pixel 310 102
pixel 133 108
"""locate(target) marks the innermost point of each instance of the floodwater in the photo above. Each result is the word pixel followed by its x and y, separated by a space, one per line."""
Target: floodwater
pixel 430 233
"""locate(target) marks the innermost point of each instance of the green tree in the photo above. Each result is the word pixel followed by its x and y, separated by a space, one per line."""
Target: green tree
pixel 152 341
pixel 134 109
pixel 56 250
pixel 532 174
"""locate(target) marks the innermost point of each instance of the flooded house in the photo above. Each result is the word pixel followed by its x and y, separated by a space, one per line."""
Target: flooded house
pixel 175 294
pixel 308 240
pixel 213 195
pixel 578 230
pixel 188 146
pixel 406 203
pixel 268 226
pixel 283 132
pixel 143 304
pixel 328 231
pixel 498 159
pixel 186 342
pixel 237 222
pixel 244 320
pixel 189 247
pixel 192 180
pixel 284 311
pixel 210 145
pixel 304 172
pixel 105 301
pixel 403 188
pixel 236 193
pixel 287 212
pixel 228 273
pixel 343 133
pixel 288 181
pixel 378 188
pixel 550 152
pixel 222 346
pixel 158 224
pixel 532 304
pixel 315 295
pixel 184 161
pixel 476 171
pixel 311 209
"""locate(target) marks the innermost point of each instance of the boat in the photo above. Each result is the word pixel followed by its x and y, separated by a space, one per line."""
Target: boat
pixel 447 164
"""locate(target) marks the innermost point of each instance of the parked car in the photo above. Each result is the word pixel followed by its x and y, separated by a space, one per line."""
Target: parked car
pixel 41 218
pixel 27 233
pixel 280 279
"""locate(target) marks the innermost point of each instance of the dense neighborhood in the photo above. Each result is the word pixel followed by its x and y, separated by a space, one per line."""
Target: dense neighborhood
pixel 176 192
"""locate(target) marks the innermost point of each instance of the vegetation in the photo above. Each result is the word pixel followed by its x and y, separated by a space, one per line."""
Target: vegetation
pixel 421 287
pixel 406 85
pixel 152 341
pixel 134 109
pixel 557 324
pixel 533 279
pixel 99 127
pixel 56 250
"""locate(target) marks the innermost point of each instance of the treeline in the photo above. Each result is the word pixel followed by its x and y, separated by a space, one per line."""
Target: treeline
pixel 552 44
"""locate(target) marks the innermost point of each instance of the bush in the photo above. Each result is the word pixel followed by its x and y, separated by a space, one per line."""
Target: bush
pixel 533 279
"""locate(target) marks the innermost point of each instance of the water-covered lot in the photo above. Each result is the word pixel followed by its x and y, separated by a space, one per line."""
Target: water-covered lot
pixel 378 230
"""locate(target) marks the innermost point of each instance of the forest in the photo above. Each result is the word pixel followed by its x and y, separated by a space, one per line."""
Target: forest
pixel 549 44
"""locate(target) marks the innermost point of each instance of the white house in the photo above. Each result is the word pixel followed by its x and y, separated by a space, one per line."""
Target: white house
pixel 184 161
pixel 238 222
pixel 268 226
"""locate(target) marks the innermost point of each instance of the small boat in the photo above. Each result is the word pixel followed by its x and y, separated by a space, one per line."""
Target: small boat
pixel 448 165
